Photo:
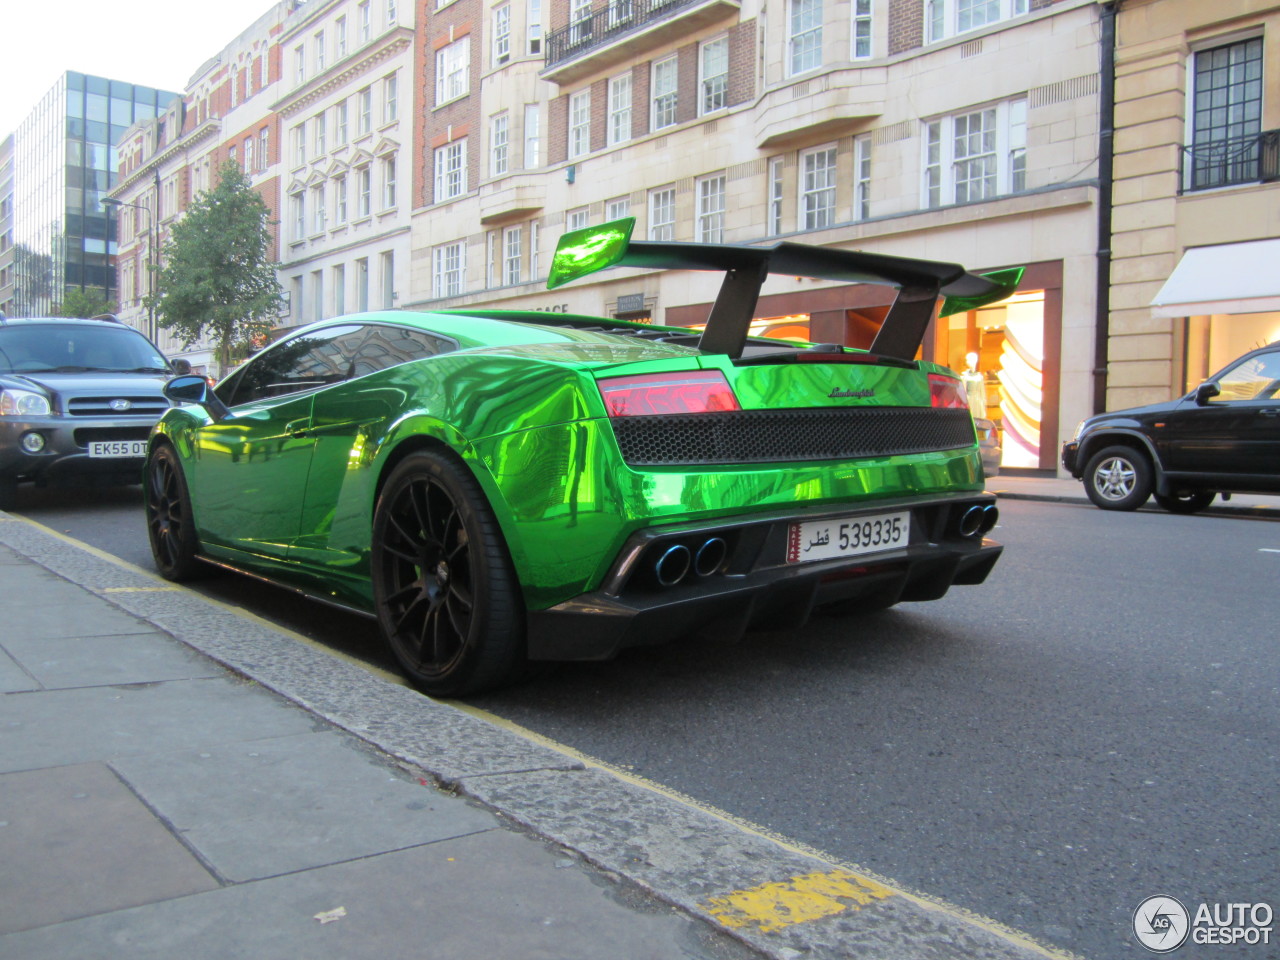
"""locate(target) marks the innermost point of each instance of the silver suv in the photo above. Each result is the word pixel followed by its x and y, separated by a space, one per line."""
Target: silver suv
pixel 77 401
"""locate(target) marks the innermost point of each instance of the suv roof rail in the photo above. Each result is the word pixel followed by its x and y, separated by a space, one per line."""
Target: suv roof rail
pixel 107 316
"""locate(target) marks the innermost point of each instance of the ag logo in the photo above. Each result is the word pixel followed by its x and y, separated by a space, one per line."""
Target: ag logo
pixel 1161 924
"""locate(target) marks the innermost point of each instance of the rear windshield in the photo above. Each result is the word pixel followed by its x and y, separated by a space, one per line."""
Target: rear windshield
pixel 75 348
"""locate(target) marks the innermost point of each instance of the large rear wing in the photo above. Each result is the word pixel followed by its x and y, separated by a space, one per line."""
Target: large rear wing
pixel 919 282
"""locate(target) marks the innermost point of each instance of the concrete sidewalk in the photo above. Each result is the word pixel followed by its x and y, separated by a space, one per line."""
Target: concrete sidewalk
pixel 179 778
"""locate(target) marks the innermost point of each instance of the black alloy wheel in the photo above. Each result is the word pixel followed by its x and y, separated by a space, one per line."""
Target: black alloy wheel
pixel 1118 478
pixel 443 586
pixel 170 528
pixel 1186 503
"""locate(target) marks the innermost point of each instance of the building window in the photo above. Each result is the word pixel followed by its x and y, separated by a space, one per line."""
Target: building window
pixel 448 264
pixel 298 214
pixel 339 290
pixel 498 136
pixel 533 20
pixel 362 284
pixel 1226 117
pixel 946 18
pixel 579 21
pixel 976 155
pixel 317 295
pixel 511 239
pixel 862 178
pixel 451 171
pixel 805 36
pixel 713 65
pixel 580 123
pixel 339 38
pixel 340 124
pixel 340 200
pixel 388 280
pixel 393 15
pixel 318 133
pixel 299 66
pixel 249 166
pixel 264 153
pixel 711 209
pixel 365 19
pixel 318 46
pixel 662 214
pixel 532 136
pixel 299 145
pixel 317 209
pixel 390 99
pixel 620 109
pixel 617 209
pixel 578 219
pixel 818 188
pixel 775 196
pixel 364 190
pixel 861 29
pixel 502 34
pixel 664 83
pixel 364 107
pixel 388 183
pixel 453 71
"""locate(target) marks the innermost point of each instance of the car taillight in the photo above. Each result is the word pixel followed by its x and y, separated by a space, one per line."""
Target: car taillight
pixel 650 394
pixel 947 392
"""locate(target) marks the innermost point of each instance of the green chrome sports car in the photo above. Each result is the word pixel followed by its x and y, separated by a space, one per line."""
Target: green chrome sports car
pixel 496 487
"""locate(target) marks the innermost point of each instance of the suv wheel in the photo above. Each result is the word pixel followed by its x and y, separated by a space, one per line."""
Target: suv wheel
pixel 1187 502
pixel 1118 478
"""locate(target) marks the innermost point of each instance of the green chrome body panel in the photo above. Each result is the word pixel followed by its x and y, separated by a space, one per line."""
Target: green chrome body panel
pixel 287 487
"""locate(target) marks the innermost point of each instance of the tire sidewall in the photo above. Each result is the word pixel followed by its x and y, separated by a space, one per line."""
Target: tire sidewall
pixel 1142 479
pixel 186 564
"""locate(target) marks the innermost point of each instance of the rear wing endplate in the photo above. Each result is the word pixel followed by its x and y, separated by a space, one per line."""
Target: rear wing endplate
pixel 919 282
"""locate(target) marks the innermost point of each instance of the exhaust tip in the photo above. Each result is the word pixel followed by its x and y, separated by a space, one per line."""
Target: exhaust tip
pixel 671 567
pixel 710 557
pixel 971 521
pixel 990 517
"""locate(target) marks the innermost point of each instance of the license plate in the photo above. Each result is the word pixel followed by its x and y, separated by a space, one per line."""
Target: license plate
pixel 848 536
pixel 118 448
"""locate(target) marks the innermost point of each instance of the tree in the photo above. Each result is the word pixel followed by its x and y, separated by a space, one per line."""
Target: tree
pixel 84 303
pixel 217 279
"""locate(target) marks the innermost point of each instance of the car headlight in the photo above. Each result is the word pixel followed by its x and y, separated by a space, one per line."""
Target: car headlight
pixel 24 403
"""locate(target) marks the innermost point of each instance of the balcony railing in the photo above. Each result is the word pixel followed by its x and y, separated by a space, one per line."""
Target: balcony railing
pixel 619 17
pixel 1225 163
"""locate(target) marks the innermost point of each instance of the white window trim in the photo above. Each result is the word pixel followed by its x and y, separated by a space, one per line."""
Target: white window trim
pixel 804 41
pixel 703 110
pixel 712 204
pixel 662 229
pixel 453 71
pixel 501 34
pixel 862 177
pixel 862 14
pixel 942 18
pixel 621 89
pixel 580 123
pixel 1010 145
pixel 512 260
pixel 444 164
pixel 663 67
pixel 445 274
pixel 499 145
pixel 802 210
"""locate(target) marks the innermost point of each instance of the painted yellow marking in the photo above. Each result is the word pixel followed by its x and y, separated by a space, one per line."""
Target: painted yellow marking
pixel 772 906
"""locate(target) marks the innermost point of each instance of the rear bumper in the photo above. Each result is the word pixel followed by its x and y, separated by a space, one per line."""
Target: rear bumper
pixel 757 585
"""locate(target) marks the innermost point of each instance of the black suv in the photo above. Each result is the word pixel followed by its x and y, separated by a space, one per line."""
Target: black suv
pixel 77 401
pixel 1223 437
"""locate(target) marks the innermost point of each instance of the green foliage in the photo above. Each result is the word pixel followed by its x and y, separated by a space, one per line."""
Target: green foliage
pixel 85 303
pixel 217 279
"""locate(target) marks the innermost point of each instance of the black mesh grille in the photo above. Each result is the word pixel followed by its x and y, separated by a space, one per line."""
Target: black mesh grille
pixel 763 436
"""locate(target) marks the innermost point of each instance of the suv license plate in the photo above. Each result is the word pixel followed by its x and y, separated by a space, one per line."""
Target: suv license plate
pixel 847 536
pixel 118 448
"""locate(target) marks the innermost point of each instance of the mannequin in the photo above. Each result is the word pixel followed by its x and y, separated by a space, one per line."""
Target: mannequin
pixel 975 385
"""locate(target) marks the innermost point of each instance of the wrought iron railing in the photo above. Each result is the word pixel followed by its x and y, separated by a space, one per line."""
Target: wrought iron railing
pixel 1237 160
pixel 618 17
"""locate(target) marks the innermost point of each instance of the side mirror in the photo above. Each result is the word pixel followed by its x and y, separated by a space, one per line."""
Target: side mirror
pixel 1206 392
pixel 194 388
pixel 181 366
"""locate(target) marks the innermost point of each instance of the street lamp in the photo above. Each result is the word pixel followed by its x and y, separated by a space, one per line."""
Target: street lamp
pixel 153 259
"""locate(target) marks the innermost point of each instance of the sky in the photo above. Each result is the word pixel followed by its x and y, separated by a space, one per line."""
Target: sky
pixel 156 43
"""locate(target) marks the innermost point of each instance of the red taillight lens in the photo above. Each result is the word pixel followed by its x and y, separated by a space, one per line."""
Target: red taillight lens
pixel 697 391
pixel 947 392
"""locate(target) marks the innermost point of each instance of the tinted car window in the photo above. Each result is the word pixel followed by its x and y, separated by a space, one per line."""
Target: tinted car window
pixel 1255 379
pixel 75 348
pixel 388 346
pixel 304 362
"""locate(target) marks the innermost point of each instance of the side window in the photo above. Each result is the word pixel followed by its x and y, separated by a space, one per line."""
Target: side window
pixel 304 362
pixel 388 346
pixel 1256 379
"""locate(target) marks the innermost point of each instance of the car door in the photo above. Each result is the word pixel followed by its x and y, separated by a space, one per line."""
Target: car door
pixel 1234 433
pixel 250 481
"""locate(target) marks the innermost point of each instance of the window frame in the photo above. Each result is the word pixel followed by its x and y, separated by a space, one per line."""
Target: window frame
pixel 453 71
pixel 719 82
pixel 662 200
pixel 712 192
pixel 450 164
pixel 619 113
pixel 810 215
pixel 579 139
pixel 664 97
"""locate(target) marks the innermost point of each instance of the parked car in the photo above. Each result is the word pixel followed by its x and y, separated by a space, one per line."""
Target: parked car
pixel 1223 437
pixel 78 399
pixel 988 445
pixel 497 486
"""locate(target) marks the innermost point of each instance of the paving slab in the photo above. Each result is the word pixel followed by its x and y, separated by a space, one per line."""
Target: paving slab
pixel 76 660
pixel 537 904
pixel 75 841
pixel 280 805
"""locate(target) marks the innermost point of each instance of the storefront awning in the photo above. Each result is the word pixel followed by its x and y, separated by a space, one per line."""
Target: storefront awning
pixel 1226 278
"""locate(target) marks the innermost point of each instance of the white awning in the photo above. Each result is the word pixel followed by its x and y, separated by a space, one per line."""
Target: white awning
pixel 1227 278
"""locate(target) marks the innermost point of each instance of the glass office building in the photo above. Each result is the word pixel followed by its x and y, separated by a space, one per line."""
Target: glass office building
pixel 64 162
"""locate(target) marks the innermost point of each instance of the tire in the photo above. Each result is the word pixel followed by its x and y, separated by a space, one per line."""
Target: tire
pixel 1118 478
pixel 444 588
pixel 1186 503
pixel 171 529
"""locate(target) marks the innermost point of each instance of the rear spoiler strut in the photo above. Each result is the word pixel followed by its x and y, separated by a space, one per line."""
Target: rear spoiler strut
pixel 919 282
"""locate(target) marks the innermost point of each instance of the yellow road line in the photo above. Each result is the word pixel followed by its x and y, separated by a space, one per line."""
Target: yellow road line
pixel 773 906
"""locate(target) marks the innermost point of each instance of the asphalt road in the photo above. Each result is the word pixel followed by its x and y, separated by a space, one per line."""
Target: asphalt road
pixel 1097 724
